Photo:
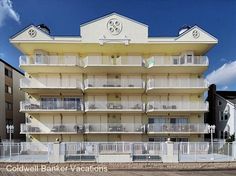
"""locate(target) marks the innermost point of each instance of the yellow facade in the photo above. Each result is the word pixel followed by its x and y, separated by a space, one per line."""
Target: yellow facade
pixel 114 83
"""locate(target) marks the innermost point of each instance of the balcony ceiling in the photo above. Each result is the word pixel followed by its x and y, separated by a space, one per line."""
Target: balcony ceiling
pixel 173 48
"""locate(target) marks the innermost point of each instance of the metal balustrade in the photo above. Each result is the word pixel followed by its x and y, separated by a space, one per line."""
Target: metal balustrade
pixel 177 128
pixel 114 83
pixel 114 106
pixel 114 147
pixel 114 128
pixel 177 61
pixel 148 151
pixel 176 105
pixel 51 105
pixel 176 83
pixel 137 151
pixel 54 83
pixel 51 128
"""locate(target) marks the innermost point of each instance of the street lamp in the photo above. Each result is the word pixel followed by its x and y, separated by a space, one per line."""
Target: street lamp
pixel 211 129
pixel 10 130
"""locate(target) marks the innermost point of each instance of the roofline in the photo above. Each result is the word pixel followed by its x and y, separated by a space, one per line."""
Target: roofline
pixel 1 60
pixel 225 99
pixel 196 26
pixel 109 14
pixel 20 31
pixel 27 27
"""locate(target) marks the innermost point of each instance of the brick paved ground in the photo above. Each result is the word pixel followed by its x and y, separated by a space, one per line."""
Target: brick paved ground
pixel 133 169
pixel 126 173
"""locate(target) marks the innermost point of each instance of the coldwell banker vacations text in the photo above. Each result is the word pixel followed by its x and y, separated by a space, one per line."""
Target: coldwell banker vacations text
pixel 46 168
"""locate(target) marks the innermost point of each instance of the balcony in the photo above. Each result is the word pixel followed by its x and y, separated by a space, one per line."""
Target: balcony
pixel 177 106
pixel 114 128
pixel 51 64
pixel 51 107
pixel 31 85
pixel 113 64
pixel 51 129
pixel 114 85
pixel 115 107
pixel 171 85
pixel 168 128
pixel 177 64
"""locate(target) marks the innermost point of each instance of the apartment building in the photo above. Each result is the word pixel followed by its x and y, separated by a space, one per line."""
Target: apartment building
pixel 10 97
pixel 114 82
pixel 222 112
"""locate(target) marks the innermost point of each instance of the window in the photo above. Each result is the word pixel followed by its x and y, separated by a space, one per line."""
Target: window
pixel 226 135
pixel 50 103
pixel 9 121
pixel 163 139
pixel 39 59
pixel 8 73
pixel 8 106
pixel 168 120
pixel 226 116
pixel 221 134
pixel 157 139
pixel 189 58
pixel 8 89
pixel 179 139
pixel 219 103
pixel 72 103
pixel 151 120
pixel 221 115
pixel 175 61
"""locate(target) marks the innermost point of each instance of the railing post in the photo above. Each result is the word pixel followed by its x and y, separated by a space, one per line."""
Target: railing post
pixel 170 156
pixel 18 151
pixel 228 151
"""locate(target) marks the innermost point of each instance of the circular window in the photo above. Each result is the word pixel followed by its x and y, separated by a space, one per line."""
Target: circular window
pixel 195 34
pixel 114 26
pixel 32 33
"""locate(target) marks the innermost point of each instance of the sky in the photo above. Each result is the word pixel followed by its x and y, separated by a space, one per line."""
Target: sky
pixel 164 18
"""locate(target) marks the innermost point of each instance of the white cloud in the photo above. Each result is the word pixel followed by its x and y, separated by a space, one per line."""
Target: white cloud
pixel 6 10
pixel 224 88
pixel 223 76
pixel 223 60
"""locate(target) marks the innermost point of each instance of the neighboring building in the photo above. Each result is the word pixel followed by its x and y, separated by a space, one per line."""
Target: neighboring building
pixel 222 112
pixel 10 96
pixel 114 83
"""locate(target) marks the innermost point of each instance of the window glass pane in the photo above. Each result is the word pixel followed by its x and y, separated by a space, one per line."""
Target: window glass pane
pixel 9 90
pixel 226 116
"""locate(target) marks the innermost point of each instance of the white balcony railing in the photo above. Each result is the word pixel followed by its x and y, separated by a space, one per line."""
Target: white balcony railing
pixel 53 83
pixel 51 105
pixel 176 83
pixel 114 106
pixel 113 61
pixel 177 128
pixel 51 128
pixel 50 60
pixel 177 105
pixel 114 128
pixel 176 61
pixel 116 83
pixel 114 148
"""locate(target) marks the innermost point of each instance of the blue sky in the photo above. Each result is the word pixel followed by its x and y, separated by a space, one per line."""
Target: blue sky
pixel 164 18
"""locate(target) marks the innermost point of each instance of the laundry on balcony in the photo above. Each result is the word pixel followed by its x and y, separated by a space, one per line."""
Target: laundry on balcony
pixel 114 106
pixel 59 128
